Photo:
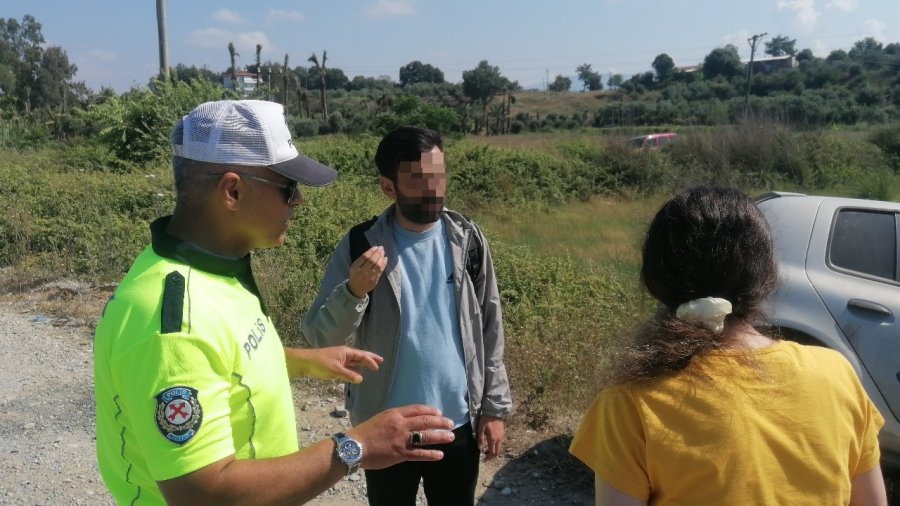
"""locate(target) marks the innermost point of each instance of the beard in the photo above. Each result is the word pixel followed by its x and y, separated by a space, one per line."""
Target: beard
pixel 421 210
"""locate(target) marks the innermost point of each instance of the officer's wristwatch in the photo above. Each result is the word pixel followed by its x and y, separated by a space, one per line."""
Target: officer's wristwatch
pixel 348 450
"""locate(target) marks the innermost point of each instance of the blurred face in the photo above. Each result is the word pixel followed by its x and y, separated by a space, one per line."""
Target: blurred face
pixel 421 187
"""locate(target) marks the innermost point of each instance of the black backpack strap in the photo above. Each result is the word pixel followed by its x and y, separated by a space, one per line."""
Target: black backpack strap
pixel 474 252
pixel 358 242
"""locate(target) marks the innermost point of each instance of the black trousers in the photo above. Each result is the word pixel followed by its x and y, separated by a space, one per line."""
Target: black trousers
pixel 450 481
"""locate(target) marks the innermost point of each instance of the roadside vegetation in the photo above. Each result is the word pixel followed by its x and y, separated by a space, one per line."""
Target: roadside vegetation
pixel 564 217
pixel 561 195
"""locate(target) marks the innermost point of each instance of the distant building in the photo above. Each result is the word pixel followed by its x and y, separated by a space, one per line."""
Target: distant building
pixel 761 66
pixel 246 82
pixel 773 64
pixel 690 69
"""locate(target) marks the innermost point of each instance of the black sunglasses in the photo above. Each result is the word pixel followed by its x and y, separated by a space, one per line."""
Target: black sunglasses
pixel 291 190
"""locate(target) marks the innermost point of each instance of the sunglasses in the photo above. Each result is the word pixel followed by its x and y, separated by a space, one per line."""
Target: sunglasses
pixel 291 190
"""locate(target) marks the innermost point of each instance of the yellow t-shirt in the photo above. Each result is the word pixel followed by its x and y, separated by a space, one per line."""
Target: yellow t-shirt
pixel 188 370
pixel 785 424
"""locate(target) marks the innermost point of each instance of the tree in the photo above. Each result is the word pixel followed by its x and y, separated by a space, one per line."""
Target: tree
pixel 319 71
pixel 664 67
pixel 32 75
pixel 22 48
pixel 722 61
pixel 52 80
pixel 838 55
pixel 418 72
pixel 258 73
pixel 482 83
pixel 363 83
pixel 867 51
pixel 561 83
pixel 591 80
pixel 805 55
pixel 232 54
pixel 781 46
pixel 182 72
pixel 335 79
pixel 615 80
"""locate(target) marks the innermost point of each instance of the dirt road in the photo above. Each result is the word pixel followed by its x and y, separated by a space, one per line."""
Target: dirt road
pixel 47 427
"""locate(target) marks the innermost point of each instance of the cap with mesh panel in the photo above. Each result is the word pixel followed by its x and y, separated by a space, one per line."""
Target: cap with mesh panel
pixel 246 132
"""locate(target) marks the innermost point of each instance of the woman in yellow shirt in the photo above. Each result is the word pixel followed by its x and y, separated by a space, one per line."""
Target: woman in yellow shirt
pixel 704 409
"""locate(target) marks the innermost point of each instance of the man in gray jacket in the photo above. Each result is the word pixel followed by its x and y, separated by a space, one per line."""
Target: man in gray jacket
pixel 416 285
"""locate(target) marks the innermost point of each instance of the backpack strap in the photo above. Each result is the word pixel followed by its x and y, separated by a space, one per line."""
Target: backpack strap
pixel 474 253
pixel 358 242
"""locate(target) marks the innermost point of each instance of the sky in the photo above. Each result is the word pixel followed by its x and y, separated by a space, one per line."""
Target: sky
pixel 114 42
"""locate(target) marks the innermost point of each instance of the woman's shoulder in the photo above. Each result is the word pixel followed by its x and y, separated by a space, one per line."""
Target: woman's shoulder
pixel 815 353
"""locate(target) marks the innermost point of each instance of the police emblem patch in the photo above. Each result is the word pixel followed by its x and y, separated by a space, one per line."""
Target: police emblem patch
pixel 178 414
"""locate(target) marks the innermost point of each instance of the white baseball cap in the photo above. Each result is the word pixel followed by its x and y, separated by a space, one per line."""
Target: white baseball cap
pixel 246 132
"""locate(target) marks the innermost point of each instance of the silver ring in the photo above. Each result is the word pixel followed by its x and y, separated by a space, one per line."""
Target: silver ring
pixel 415 438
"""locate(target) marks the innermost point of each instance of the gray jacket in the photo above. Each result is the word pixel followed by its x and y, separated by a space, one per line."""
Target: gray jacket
pixel 337 317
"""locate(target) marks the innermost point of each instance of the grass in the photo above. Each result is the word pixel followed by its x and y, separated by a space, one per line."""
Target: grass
pixel 542 103
pixel 605 231
pixel 567 268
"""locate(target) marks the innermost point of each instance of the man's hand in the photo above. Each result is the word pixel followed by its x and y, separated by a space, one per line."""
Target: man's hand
pixel 385 437
pixel 491 433
pixel 366 270
pixel 335 362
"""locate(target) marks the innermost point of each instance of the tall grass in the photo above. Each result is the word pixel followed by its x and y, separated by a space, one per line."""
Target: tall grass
pixel 564 217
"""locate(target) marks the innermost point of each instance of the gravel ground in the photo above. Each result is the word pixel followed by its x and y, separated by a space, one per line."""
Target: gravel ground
pixel 46 412
pixel 47 456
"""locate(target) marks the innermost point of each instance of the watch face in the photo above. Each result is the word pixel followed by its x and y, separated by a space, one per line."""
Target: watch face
pixel 350 451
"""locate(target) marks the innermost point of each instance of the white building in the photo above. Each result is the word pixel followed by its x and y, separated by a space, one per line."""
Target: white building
pixel 246 82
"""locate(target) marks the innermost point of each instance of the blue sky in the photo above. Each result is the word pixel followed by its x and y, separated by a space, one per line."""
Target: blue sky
pixel 113 42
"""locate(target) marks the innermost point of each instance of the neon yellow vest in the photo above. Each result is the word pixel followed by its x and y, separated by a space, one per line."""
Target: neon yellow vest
pixel 188 370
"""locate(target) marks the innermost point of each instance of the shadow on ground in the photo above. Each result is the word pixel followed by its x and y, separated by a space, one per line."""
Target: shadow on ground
pixel 543 474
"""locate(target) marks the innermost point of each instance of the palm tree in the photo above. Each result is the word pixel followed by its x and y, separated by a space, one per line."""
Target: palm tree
pixel 510 100
pixel 320 71
pixel 232 53
pixel 285 83
pixel 304 102
pixel 258 67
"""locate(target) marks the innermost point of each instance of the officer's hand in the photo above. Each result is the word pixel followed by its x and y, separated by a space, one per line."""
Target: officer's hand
pixel 366 270
pixel 334 362
pixel 386 436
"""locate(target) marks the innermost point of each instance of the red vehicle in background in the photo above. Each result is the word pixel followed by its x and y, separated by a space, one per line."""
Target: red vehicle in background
pixel 653 141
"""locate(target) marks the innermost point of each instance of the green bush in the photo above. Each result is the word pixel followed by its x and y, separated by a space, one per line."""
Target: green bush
pixel 877 185
pixel 560 318
pixel 305 127
pixel 888 140
pixel 23 133
pixel 74 223
pixel 136 125
pixel 348 155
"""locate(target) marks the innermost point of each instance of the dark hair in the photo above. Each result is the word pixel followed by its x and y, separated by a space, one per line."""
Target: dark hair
pixel 704 242
pixel 404 144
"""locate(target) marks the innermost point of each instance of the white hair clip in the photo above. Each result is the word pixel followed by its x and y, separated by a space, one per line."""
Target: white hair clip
pixel 708 312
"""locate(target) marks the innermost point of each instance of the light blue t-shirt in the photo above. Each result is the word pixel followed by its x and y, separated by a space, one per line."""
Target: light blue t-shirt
pixel 430 363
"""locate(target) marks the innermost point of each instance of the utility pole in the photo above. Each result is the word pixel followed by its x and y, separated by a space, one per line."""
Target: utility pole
pixel 753 41
pixel 163 45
